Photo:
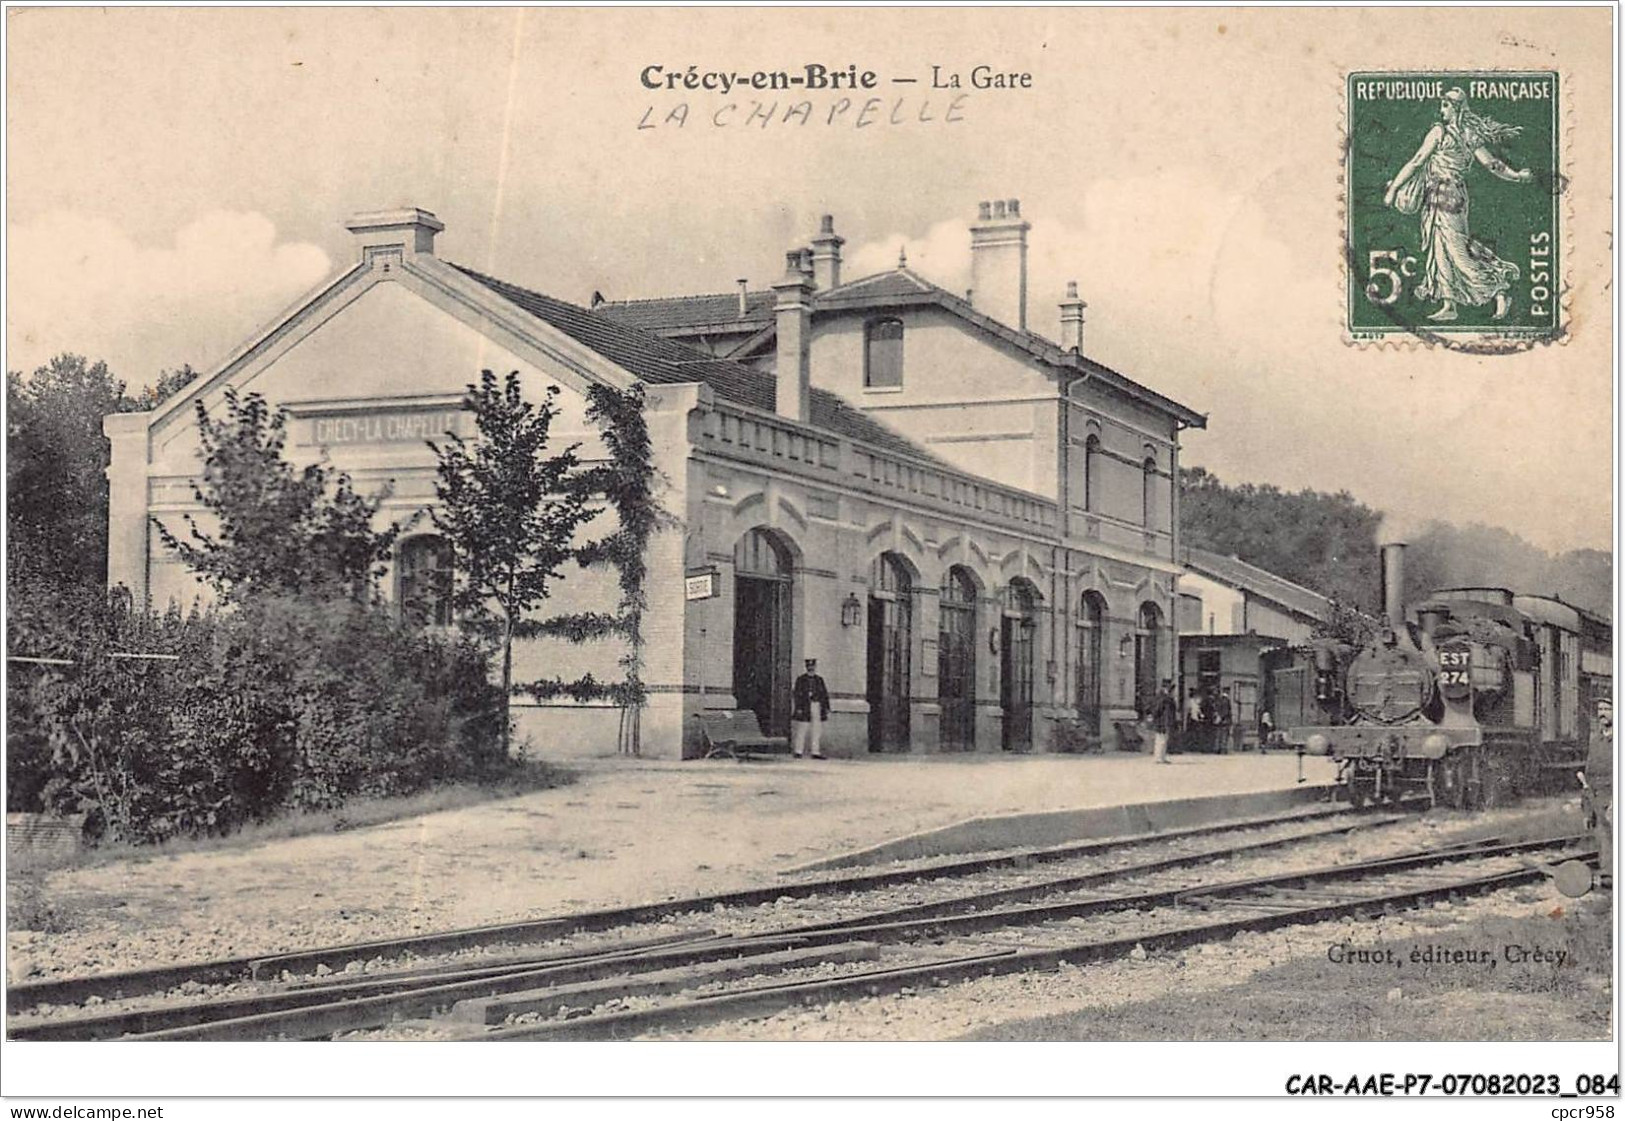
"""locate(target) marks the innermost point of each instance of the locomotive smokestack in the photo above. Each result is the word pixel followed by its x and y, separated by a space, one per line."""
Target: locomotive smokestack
pixel 1393 582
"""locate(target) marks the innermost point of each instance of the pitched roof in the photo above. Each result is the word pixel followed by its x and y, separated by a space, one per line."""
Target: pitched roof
pixel 900 282
pixel 660 361
pixel 716 312
pixel 1257 581
pixel 902 287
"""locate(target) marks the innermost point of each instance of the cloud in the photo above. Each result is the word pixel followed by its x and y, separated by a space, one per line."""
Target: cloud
pixel 79 282
pixel 1147 248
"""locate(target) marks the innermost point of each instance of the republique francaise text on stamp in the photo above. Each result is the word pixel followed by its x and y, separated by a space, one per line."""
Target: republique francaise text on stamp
pixel 1452 200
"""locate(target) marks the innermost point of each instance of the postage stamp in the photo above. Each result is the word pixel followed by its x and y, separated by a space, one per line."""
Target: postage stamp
pixel 1452 196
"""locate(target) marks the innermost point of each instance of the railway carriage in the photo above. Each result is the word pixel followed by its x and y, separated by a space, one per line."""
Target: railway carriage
pixel 1483 695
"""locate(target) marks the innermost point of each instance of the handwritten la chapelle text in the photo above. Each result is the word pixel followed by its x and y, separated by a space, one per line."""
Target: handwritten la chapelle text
pixel 842 111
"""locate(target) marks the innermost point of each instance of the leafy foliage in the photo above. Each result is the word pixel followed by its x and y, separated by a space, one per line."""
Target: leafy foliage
pixel 508 509
pixel 282 530
pixel 1346 626
pixel 56 466
pixel 169 383
pixel 56 463
pixel 279 703
pixel 625 481
pixel 1328 542
pixel 1325 542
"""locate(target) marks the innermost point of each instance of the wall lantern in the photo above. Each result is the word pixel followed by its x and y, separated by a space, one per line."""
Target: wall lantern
pixel 851 611
pixel 1125 645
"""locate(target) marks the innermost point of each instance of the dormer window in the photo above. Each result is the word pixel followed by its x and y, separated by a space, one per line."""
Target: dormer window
pixel 883 354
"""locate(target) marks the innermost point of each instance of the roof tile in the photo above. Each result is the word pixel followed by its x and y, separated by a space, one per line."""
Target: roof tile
pixel 719 311
pixel 660 361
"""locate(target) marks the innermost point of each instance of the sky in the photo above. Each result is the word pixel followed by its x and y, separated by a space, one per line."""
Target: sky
pixel 178 177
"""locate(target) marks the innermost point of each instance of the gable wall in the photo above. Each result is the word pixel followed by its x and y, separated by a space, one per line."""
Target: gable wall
pixel 982 405
pixel 366 380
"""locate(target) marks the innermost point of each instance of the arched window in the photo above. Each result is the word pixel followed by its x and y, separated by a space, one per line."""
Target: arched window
pixel 956 659
pixel 758 554
pixel 1147 638
pixel 1148 497
pixel 1018 634
pixel 883 354
pixel 891 641
pixel 1091 461
pixel 424 580
pixel 1091 636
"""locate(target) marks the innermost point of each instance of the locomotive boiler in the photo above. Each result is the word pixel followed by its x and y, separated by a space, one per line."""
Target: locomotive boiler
pixel 1473 697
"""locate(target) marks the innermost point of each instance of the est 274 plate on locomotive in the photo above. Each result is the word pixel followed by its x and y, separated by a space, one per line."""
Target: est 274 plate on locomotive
pixel 1452 201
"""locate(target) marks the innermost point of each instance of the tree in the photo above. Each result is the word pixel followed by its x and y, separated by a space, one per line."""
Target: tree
pixel 303 532
pixel 169 383
pixel 56 471
pixel 1325 542
pixel 509 511
pixel 1345 625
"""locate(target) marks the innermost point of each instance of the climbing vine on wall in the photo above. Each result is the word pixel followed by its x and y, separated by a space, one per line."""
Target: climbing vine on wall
pixel 626 483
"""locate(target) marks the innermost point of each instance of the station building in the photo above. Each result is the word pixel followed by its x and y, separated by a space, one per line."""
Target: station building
pixel 971 527
pixel 1236 621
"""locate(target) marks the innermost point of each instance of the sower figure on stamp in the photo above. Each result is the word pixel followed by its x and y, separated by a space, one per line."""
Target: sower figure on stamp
pixel 809 712
pixel 1164 719
pixel 1458 269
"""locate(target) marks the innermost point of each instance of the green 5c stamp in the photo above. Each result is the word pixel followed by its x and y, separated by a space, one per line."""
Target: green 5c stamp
pixel 1452 200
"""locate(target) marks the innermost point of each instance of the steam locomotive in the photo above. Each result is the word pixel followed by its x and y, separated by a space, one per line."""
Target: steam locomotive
pixel 1483 696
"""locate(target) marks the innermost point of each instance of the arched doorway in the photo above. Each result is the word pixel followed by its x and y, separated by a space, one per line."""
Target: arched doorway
pixel 1147 637
pixel 1091 651
pixel 762 574
pixel 1018 633
pixel 956 660
pixel 891 634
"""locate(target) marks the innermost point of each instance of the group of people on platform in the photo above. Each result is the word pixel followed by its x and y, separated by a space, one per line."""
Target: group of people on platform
pixel 1208 722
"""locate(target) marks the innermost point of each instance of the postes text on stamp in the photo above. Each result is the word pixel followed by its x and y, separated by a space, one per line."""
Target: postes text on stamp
pixel 1452 186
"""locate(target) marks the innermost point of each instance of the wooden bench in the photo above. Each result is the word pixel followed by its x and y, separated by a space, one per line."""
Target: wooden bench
pixel 737 734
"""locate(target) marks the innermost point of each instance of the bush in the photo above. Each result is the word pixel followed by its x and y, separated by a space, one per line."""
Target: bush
pixel 282 703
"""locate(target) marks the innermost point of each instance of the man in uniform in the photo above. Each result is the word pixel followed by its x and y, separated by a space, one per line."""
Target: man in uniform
pixel 1224 718
pixel 806 720
pixel 1164 719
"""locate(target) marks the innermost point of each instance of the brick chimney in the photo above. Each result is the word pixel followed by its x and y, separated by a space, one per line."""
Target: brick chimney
pixel 1072 318
pixel 826 255
pixel 793 318
pixel 408 231
pixel 998 262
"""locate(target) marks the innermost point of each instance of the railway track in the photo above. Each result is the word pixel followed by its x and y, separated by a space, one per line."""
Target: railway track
pixel 875 933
